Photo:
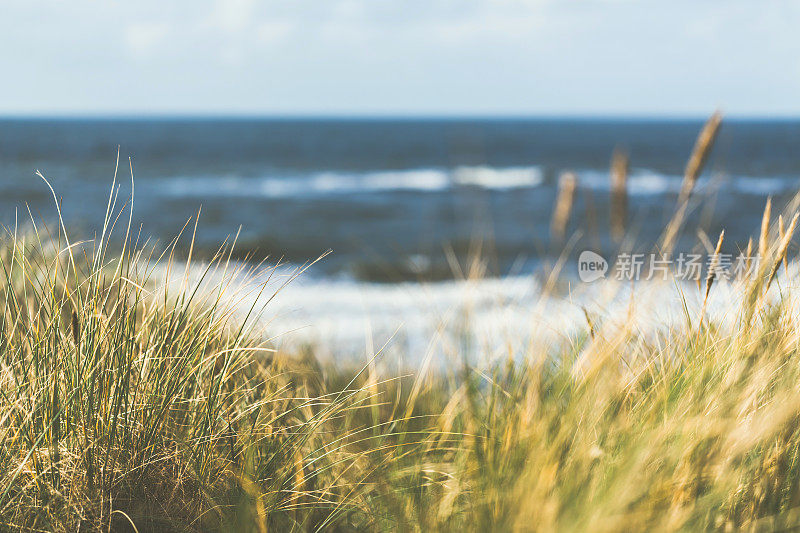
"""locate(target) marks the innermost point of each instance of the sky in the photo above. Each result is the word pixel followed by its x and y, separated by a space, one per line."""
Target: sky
pixel 400 57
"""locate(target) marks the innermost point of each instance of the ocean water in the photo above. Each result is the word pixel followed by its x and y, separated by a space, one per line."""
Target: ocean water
pixel 392 199
pixel 388 197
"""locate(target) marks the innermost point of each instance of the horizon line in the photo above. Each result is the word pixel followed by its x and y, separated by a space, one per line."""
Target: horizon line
pixel 394 116
pixel 129 116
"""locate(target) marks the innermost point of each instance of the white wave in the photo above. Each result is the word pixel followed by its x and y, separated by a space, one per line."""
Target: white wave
pixel 421 180
pixel 330 183
pixel 641 182
pixel 650 183
pixel 764 186
pixel 498 178
pixel 483 319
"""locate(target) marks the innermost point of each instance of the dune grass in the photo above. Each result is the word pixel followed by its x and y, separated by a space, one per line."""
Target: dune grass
pixel 129 404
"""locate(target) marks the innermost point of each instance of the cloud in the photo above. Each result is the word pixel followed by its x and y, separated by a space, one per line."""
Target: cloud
pixel 143 38
pixel 273 32
pixel 233 15
pixel 395 56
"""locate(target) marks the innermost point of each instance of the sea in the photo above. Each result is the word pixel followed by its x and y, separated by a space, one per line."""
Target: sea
pixel 399 207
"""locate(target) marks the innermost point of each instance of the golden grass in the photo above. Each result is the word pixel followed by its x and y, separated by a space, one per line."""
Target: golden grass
pixel 694 167
pixel 619 194
pixel 567 185
pixel 128 404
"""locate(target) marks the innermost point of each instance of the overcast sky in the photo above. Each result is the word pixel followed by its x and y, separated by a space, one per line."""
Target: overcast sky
pixel 441 57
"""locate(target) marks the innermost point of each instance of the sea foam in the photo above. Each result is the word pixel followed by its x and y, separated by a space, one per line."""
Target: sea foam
pixel 483 319
pixel 334 182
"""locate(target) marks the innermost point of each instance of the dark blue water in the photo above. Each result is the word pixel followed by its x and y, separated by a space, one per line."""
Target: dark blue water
pixel 389 197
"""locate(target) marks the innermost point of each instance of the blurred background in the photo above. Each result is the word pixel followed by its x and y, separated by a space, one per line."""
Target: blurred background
pixel 399 135
pixel 391 197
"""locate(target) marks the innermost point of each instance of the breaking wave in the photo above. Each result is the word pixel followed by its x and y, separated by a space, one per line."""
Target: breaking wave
pixel 328 183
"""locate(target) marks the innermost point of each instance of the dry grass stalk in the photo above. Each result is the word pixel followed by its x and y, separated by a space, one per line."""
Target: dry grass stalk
pixel 748 255
pixel 782 234
pixel 702 148
pixel 671 232
pixel 763 238
pixel 591 216
pixel 567 185
pixel 619 194
pixel 710 276
pixel 589 322
pixel 712 267
pixel 783 246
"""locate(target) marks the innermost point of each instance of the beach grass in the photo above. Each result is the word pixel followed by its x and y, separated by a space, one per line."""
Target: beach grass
pixel 135 397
